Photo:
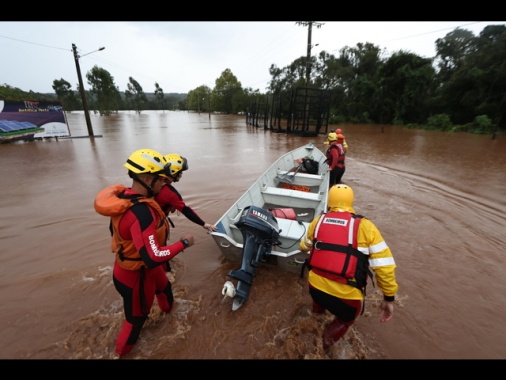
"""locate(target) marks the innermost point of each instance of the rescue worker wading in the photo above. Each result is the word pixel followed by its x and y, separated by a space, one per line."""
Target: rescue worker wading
pixel 139 240
pixel 345 144
pixel 169 198
pixel 335 158
pixel 343 248
pixel 339 131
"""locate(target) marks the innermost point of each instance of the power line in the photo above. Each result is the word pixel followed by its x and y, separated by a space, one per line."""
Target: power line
pixel 34 43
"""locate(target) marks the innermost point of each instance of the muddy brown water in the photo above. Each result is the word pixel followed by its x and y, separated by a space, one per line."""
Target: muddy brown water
pixel 438 198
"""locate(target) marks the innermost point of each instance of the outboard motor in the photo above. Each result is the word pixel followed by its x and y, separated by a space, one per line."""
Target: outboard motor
pixel 260 232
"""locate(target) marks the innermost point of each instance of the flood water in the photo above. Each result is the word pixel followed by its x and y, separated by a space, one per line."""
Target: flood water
pixel 438 198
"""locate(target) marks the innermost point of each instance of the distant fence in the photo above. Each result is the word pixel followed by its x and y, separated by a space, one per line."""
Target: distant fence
pixel 306 112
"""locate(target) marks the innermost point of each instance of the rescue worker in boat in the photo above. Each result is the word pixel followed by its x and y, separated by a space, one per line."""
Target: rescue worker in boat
pixel 139 241
pixel 333 285
pixel 335 158
pixel 171 200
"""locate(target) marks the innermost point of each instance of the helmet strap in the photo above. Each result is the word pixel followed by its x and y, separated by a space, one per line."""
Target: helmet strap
pixel 177 177
pixel 151 193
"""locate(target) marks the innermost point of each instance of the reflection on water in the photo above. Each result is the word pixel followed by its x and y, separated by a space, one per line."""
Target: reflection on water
pixel 438 199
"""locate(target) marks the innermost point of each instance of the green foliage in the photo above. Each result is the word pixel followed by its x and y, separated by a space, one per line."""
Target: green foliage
pixel 228 95
pixel 440 122
pixel 14 93
pixel 160 97
pixel 481 124
pixel 397 121
pixel 135 96
pixel 108 98
pixel 200 99
pixel 67 97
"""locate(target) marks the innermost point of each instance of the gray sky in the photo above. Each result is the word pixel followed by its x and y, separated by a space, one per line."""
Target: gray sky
pixel 181 56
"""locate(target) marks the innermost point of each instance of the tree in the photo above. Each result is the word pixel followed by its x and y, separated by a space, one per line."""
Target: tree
pixel 407 86
pixel 135 94
pixel 66 96
pixel 452 50
pixel 477 84
pixel 160 97
pixel 359 68
pixel 228 96
pixel 108 99
pixel 199 99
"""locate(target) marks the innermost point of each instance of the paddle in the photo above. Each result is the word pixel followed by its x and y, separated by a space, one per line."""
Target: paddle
pixel 290 178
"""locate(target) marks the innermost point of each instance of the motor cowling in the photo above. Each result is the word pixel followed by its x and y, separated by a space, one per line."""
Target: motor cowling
pixel 260 222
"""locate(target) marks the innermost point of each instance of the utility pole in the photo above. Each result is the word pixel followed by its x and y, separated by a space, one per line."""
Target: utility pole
pixel 81 88
pixel 309 24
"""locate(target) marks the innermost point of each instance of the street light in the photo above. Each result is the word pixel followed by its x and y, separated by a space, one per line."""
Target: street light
pixel 81 87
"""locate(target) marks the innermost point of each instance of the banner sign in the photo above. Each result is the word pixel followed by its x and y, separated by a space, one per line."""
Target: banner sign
pixel 32 119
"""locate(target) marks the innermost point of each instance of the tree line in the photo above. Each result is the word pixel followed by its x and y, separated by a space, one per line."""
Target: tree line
pixel 462 88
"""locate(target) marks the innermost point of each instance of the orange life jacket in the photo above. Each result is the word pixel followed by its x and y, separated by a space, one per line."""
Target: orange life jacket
pixel 113 202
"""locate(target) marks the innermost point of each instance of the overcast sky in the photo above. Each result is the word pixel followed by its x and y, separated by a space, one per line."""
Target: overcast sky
pixel 181 56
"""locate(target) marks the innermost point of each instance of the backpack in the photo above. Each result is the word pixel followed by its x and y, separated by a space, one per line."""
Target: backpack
pixel 310 166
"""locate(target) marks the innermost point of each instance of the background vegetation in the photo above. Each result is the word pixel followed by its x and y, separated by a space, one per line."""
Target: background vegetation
pixel 463 88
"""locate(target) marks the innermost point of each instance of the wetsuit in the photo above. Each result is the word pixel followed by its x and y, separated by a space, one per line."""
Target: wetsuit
pixel 170 200
pixel 335 159
pixel 139 236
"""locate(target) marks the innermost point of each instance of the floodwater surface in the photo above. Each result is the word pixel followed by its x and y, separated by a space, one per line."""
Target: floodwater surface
pixel 438 198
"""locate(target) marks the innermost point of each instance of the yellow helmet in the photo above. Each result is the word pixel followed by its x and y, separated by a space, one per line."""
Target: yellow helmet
pixel 146 161
pixel 340 196
pixel 332 136
pixel 175 164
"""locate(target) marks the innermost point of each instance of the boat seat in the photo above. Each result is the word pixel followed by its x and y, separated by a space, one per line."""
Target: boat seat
pixel 290 198
pixel 302 179
pixel 292 229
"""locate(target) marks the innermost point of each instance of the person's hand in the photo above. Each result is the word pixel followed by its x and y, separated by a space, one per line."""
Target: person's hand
pixel 210 227
pixel 386 309
pixel 188 236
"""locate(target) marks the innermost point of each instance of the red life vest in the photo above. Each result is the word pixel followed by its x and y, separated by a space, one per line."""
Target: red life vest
pixel 341 153
pixel 334 254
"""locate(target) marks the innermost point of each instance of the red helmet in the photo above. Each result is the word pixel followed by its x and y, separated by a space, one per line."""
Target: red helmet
pixel 339 131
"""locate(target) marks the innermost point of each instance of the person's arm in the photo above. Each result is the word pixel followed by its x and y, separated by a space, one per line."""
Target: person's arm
pixel 335 157
pixel 192 215
pixel 306 243
pixel 141 224
pixel 175 200
pixel 383 264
